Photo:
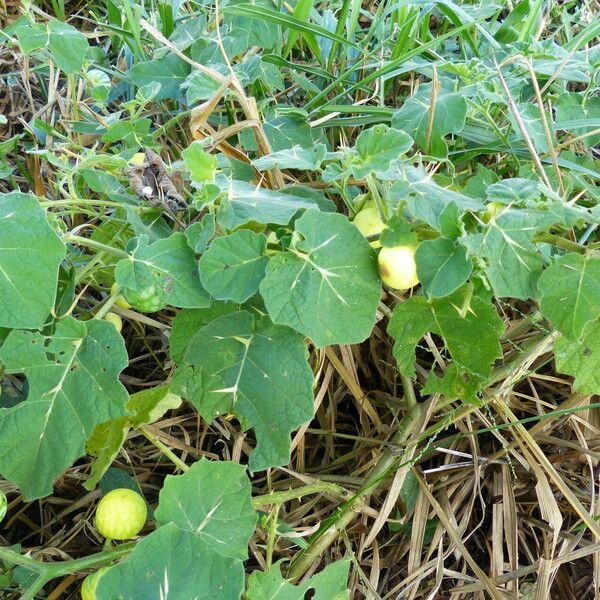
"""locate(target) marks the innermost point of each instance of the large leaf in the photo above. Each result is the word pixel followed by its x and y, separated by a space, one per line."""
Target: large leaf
pixel 467 321
pixel 74 385
pixel 235 370
pixel 168 264
pixel 224 517
pixel 188 323
pixel 176 564
pixel 67 46
pixel 244 203
pixel 514 262
pixel 581 359
pixel 329 584
pixel 449 117
pixel 327 285
pixel 30 254
pixel 233 266
pixel 296 157
pixel 570 293
pixel 442 266
pixel 170 71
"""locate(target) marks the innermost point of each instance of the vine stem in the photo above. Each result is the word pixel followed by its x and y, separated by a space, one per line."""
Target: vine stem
pixel 48 571
pixel 346 514
pixel 77 239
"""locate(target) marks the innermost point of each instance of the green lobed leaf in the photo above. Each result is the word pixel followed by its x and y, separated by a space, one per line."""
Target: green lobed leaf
pixel 30 255
pixel 429 201
pixel 442 266
pixel 244 203
pixel 327 286
pixel 67 46
pixel 330 584
pixel 198 234
pixel 145 406
pixel 74 385
pixel 376 148
pixel 466 321
pixel 214 500
pixel 570 293
pixel 233 370
pixel 170 71
pixel 296 157
pixel 173 563
pixel 234 265
pixel 201 164
pixel 454 383
pixel 581 358
pixel 449 117
pixel 187 324
pixel 514 262
pixel 169 265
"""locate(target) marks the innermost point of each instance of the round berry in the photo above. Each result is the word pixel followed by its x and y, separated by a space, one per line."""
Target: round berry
pixel 115 319
pixel 88 588
pixel 121 514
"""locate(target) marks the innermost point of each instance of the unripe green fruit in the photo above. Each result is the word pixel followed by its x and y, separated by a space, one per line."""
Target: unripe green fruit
pixel 148 300
pixel 369 223
pixel 121 514
pixel 397 267
pixel 492 210
pixel 90 583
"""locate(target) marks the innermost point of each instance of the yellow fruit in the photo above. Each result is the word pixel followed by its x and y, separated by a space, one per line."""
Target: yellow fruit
pixel 90 583
pixel 138 158
pixel 121 514
pixel 120 301
pixel 115 320
pixel 369 223
pixel 397 267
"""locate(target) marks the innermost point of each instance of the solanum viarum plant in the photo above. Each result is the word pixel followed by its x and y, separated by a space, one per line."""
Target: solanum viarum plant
pixel 321 191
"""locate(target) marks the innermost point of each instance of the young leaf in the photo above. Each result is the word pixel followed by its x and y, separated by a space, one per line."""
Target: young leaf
pixel 376 148
pixel 30 254
pixel 214 500
pixel 570 293
pixel 233 266
pixel 176 564
pixel 200 233
pixel 463 322
pixel 234 370
pixel 330 584
pixel 107 439
pixel 169 265
pixel 73 386
pixel 581 358
pixel 201 164
pixel 449 117
pixel 442 266
pixel 327 286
